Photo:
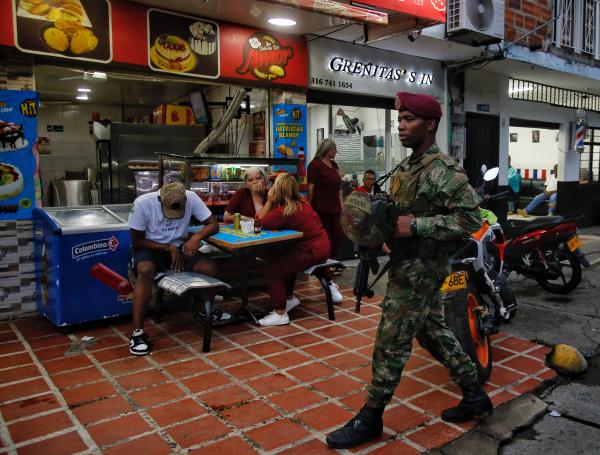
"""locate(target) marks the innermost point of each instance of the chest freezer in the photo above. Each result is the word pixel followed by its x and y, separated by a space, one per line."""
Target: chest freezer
pixel 81 256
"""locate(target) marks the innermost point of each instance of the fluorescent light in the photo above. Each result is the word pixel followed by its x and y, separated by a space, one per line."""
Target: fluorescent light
pixel 84 90
pixel 82 97
pixel 282 22
pixel 97 75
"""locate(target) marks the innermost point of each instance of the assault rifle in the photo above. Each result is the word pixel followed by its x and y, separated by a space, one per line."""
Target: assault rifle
pixel 368 256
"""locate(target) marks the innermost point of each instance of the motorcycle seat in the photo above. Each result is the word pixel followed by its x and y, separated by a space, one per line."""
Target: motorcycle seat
pixel 515 227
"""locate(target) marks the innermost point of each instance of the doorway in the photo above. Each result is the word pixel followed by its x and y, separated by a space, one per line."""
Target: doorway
pixel 483 144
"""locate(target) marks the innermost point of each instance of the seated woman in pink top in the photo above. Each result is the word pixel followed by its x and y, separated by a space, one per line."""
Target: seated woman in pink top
pixel 250 199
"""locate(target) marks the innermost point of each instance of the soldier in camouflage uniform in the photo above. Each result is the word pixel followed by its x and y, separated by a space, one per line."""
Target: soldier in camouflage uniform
pixel 438 208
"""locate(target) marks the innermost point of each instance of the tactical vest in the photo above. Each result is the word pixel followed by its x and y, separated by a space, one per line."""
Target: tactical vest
pixel 403 187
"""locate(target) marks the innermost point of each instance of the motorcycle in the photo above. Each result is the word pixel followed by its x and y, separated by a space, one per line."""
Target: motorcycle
pixel 476 296
pixel 547 249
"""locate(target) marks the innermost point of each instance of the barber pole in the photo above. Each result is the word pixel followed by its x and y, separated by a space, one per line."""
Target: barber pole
pixel 579 137
pixel 580 127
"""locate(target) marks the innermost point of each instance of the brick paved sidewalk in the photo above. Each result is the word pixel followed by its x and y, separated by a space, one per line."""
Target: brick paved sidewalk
pixel 276 390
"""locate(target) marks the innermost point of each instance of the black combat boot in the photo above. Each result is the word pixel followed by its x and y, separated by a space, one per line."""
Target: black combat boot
pixel 475 405
pixel 365 426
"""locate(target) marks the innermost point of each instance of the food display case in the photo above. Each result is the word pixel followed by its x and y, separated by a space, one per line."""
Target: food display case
pixel 216 179
pixel 81 256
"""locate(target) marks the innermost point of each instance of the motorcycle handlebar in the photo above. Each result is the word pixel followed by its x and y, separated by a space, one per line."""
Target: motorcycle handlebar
pixel 492 197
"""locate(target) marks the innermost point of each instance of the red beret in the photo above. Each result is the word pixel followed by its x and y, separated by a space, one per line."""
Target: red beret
pixel 424 106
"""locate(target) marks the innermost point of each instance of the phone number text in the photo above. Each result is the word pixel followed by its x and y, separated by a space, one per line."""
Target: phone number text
pixel 330 82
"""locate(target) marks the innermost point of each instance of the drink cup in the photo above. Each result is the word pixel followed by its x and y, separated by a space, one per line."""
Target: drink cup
pixel 247 226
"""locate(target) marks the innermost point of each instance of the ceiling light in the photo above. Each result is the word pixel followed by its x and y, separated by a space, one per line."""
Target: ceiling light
pixel 82 97
pixel 282 22
pixel 84 90
pixel 95 75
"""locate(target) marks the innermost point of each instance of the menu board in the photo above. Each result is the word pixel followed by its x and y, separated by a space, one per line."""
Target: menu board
pixel 183 44
pixel 18 133
pixel 75 29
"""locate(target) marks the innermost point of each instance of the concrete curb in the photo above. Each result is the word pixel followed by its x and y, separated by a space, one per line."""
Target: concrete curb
pixel 486 437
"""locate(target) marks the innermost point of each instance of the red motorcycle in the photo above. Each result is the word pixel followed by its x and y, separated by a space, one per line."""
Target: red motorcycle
pixel 547 249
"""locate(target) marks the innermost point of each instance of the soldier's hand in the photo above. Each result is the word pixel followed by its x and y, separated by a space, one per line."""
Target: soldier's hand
pixel 403 226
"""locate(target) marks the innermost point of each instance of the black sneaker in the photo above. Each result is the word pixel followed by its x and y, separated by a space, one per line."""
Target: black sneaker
pixel 139 344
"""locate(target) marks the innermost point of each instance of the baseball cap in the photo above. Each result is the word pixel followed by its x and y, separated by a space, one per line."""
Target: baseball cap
pixel 172 200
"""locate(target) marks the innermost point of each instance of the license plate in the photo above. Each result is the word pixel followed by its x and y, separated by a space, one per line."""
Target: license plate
pixel 574 243
pixel 455 281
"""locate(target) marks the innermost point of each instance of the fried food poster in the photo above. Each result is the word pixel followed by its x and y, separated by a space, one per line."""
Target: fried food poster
pixel 289 130
pixel 75 29
pixel 18 133
pixel 183 44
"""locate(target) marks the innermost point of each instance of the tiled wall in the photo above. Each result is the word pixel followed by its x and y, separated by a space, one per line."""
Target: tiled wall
pixel 73 148
pixel 17 273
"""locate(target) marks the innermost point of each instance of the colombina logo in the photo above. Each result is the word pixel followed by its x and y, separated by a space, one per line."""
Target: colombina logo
pixel 94 246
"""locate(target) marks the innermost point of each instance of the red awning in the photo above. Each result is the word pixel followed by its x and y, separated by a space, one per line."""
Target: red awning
pixel 336 9
pixel 425 9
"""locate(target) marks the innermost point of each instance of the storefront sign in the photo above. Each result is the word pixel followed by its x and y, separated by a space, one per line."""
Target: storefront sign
pixel 18 131
pixel 427 9
pixel 336 66
pixel 125 32
pixel 78 30
pixel 264 57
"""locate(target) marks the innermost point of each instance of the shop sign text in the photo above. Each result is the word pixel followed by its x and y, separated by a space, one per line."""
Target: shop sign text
pixel 374 71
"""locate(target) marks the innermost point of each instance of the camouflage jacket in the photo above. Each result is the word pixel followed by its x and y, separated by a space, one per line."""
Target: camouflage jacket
pixel 452 206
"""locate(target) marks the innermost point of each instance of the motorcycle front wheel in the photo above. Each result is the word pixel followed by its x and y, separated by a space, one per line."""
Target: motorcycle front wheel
pixel 568 269
pixel 463 318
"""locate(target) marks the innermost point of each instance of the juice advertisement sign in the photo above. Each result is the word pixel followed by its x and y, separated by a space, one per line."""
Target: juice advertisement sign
pixel 18 133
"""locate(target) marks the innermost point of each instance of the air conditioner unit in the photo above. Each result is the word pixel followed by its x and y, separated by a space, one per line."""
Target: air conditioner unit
pixel 475 22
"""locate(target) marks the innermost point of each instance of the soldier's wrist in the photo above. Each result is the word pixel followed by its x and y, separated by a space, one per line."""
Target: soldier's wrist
pixel 413 227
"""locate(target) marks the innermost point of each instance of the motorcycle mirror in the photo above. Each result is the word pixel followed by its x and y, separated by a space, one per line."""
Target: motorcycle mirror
pixel 483 169
pixel 491 174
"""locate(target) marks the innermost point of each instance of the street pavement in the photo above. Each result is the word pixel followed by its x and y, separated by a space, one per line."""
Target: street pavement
pixel 571 424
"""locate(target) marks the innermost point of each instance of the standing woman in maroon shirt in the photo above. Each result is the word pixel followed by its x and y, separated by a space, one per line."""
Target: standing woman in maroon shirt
pixel 250 199
pixel 287 209
pixel 324 192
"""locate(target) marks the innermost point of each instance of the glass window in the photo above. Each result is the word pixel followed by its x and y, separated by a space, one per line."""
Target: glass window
pixel 589 161
pixel 359 134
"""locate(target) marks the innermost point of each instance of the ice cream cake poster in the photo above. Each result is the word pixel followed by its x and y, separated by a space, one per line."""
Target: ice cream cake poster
pixel 73 29
pixel 183 44
pixel 289 130
pixel 18 133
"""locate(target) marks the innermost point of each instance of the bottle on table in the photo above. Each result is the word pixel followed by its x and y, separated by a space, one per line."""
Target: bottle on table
pixel 237 221
pixel 257 225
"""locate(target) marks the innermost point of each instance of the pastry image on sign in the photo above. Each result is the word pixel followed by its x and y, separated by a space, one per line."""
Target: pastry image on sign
pixel 77 29
pixel 172 53
pixel 11 181
pixel 12 137
pixel 203 38
pixel 183 44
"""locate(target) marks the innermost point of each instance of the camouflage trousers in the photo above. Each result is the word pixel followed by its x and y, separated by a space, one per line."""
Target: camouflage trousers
pixel 412 308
